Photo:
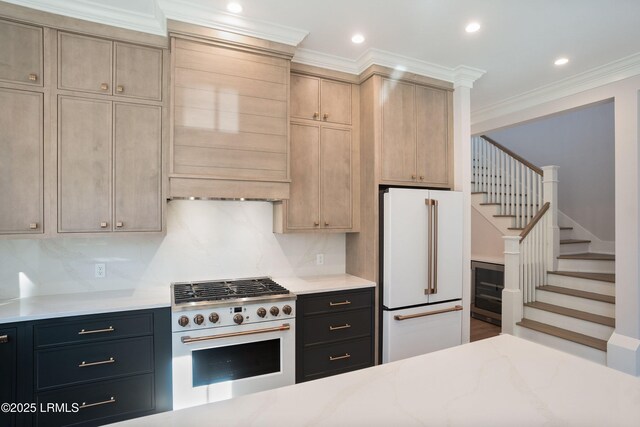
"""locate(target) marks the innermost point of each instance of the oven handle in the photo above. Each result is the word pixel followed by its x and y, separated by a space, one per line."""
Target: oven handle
pixel 189 340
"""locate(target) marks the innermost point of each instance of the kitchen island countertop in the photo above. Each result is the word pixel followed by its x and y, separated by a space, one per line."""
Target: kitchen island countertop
pixel 501 381
pixel 52 306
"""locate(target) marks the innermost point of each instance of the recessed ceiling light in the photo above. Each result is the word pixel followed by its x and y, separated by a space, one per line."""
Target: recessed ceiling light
pixel 472 27
pixel 357 38
pixel 561 61
pixel 234 7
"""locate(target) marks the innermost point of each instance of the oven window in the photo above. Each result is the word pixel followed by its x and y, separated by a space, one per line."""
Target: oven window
pixel 234 362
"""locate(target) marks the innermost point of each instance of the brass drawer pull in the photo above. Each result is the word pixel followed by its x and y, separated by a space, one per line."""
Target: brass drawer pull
pixel 102 362
pixel 4 339
pixel 429 313
pixel 345 356
pixel 33 226
pixel 33 77
pixel 104 86
pixel 335 328
pixel 190 340
pixel 326 224
pixel 119 224
pixel 316 115
pixel 333 304
pixel 119 88
pixel 89 405
pixel 316 223
pixel 104 224
pixel 96 331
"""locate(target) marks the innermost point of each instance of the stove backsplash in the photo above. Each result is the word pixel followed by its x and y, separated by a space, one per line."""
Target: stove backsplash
pixel 205 240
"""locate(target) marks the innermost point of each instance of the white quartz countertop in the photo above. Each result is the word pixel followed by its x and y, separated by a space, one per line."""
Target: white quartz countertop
pixel 51 306
pixel 502 381
pixel 315 284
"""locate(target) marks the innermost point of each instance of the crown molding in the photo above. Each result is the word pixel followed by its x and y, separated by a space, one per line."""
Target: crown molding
pixel 103 13
pixel 605 74
pixel 460 76
pixel 195 13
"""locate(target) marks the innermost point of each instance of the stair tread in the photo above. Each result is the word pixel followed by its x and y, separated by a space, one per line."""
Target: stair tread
pixel 570 241
pixel 566 228
pixel 589 256
pixel 582 315
pixel 478 192
pixel 504 216
pixel 489 204
pixel 603 277
pixel 578 293
pixel 515 228
pixel 564 334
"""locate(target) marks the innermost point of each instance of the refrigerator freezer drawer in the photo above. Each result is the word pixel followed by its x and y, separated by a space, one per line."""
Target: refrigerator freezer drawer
pixel 406 333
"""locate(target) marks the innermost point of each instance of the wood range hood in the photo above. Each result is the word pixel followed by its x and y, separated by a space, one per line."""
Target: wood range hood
pixel 229 116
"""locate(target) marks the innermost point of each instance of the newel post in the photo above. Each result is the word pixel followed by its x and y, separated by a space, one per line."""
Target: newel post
pixel 511 294
pixel 550 191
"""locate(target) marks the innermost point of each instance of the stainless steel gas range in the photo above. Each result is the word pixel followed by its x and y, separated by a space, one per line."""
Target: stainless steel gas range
pixel 231 337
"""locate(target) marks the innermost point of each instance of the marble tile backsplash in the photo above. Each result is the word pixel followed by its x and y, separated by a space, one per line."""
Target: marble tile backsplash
pixel 204 240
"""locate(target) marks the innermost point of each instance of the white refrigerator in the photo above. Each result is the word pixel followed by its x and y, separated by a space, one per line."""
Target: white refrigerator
pixel 421 262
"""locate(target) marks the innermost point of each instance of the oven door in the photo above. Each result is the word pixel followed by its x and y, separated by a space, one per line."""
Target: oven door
pixel 220 363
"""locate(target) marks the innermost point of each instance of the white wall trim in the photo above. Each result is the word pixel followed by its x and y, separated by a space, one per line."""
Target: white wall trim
pixel 196 13
pixel 609 73
pixel 102 13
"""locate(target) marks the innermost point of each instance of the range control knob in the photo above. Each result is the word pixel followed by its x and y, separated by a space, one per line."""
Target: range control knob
pixel 198 319
pixel 213 318
pixel 183 321
pixel 274 311
pixel 262 312
pixel 238 318
pixel 287 309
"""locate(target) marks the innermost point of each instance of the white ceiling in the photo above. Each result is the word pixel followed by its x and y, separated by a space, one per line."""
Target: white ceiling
pixel 516 46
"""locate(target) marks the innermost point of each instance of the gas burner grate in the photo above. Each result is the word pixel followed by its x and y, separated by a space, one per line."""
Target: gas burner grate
pixel 224 290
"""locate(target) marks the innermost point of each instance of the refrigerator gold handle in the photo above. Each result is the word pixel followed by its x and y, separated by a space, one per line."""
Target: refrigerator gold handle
pixel 435 247
pixel 427 202
pixel 428 313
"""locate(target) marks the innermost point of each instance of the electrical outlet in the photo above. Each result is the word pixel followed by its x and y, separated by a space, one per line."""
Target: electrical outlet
pixel 101 271
pixel 319 259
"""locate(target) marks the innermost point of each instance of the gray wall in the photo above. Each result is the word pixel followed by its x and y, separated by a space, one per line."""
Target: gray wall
pixel 581 143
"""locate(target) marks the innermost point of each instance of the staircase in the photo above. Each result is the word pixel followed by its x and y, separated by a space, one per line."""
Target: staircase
pixel 557 292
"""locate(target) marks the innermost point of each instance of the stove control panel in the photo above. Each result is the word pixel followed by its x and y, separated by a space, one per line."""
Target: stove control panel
pixel 214 317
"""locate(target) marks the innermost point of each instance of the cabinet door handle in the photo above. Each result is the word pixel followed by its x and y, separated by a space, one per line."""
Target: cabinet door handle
pixel 119 88
pixel 119 224
pixel 104 224
pixel 33 77
pixel 326 224
pixel 33 226
pixel 96 331
pixel 333 304
pixel 89 405
pixel 325 116
pixel 345 356
pixel 316 223
pixel 421 178
pixel 4 339
pixel 104 86
pixel 413 177
pixel 335 328
pixel 101 362
pixel 316 115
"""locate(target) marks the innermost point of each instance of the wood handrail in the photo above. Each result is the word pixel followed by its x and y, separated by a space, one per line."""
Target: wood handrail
pixel 525 162
pixel 534 221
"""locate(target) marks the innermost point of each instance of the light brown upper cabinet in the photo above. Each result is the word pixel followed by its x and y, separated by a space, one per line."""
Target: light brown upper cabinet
pixel 21 162
pixel 95 65
pixel 416 140
pixel 109 165
pixel 324 159
pixel 21 53
pixel 314 98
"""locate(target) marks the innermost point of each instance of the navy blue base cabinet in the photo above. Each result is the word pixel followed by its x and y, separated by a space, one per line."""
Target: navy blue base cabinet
pixel 86 370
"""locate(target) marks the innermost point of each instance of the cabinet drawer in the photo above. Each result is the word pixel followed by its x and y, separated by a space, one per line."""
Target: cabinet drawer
pixel 102 402
pixel 331 359
pixel 91 362
pixel 337 301
pixel 337 326
pixel 76 330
